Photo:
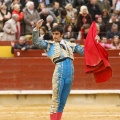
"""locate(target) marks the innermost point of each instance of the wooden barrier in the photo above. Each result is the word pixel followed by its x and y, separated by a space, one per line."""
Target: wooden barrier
pixel 35 73
pixel 115 53
pixel 5 43
pixel 30 53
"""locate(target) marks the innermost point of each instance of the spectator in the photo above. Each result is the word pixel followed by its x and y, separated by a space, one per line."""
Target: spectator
pixel 31 17
pixel 5 15
pixel 49 22
pixel 73 24
pixel 44 13
pixel 93 9
pixel 56 10
pixel 113 32
pixel 43 31
pixel 84 31
pixel 41 6
pixel 8 4
pixel 63 17
pixel 117 5
pixel 69 33
pixel 71 12
pixel 61 2
pixel 101 24
pixel 21 45
pixel 105 16
pixel 83 17
pixel 104 44
pixel 13 3
pixel 24 2
pixel 113 19
pixel 103 4
pixel 116 42
pixel 16 10
pixel 11 29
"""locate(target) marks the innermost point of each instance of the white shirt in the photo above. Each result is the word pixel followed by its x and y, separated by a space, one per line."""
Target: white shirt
pixel 117 6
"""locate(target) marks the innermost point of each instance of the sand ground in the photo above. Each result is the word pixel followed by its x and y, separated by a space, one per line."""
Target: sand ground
pixel 71 112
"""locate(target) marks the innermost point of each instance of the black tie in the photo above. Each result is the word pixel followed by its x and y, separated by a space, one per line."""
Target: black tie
pixel 63 46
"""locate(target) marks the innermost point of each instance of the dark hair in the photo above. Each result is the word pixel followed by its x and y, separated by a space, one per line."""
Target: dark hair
pixel 105 10
pixel 58 28
pixel 44 29
pixel 66 27
pixel 55 2
pixel 63 12
pixel 47 36
pixel 86 26
pixel 113 42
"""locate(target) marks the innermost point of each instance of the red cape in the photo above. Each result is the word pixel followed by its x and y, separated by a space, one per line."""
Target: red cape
pixel 96 57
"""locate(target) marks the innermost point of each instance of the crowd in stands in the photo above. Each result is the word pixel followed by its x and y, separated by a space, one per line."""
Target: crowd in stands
pixel 19 17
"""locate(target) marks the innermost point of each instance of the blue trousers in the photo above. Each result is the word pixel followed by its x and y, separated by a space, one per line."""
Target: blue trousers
pixel 61 84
